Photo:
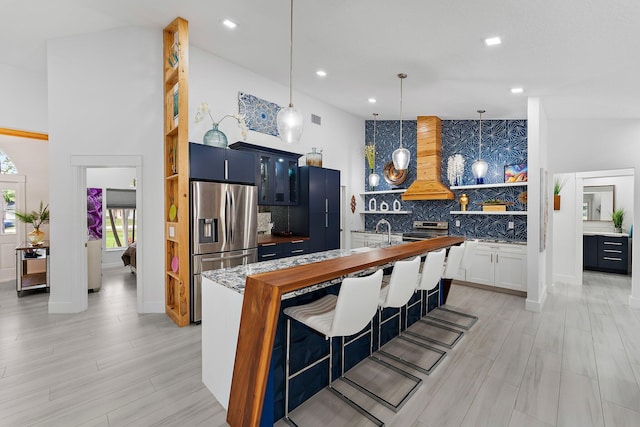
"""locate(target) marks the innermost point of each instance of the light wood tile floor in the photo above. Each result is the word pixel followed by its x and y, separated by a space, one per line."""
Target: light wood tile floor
pixel 575 364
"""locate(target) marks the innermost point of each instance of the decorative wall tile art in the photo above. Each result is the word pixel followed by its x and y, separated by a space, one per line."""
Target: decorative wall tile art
pixel 259 114
pixel 504 142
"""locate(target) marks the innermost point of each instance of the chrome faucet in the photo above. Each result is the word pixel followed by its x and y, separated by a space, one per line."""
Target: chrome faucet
pixel 384 221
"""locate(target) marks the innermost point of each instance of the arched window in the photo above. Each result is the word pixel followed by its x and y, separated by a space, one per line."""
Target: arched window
pixel 6 165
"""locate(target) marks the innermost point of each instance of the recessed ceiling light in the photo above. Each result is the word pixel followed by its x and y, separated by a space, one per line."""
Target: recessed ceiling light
pixel 492 41
pixel 321 73
pixel 229 24
pixel 372 100
pixel 517 90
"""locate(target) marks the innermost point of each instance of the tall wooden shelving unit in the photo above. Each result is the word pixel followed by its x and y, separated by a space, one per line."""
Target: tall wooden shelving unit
pixel 176 170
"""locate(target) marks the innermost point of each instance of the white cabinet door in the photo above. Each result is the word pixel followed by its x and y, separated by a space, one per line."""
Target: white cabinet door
pixel 481 270
pixel 511 270
pixel 357 240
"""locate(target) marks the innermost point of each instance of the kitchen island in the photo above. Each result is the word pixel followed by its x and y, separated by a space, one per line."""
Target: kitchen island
pixel 242 305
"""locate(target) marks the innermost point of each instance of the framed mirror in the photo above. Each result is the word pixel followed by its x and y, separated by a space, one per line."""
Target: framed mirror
pixel 598 202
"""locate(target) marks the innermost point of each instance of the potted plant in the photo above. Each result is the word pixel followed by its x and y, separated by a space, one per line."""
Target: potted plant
pixel 557 188
pixel 617 217
pixel 36 219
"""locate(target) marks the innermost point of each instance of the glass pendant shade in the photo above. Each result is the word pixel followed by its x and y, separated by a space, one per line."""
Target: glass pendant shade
pixel 374 179
pixel 479 168
pixel 290 122
pixel 401 157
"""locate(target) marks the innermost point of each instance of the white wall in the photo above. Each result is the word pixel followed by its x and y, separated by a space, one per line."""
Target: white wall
pixel 24 99
pixel 566 266
pixel 105 97
pixel 539 209
pixel 595 145
pixel 340 136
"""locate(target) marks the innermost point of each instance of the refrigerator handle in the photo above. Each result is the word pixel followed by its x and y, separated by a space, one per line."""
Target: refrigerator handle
pixel 226 169
pixel 232 220
pixel 227 215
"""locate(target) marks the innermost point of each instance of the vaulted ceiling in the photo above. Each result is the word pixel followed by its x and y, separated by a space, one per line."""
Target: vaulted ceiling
pixel 580 56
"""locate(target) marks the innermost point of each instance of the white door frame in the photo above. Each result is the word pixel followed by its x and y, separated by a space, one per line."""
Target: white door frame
pixel 19 182
pixel 80 163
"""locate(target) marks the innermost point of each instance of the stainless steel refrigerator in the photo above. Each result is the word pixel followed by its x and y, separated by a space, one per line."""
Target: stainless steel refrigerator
pixel 224 232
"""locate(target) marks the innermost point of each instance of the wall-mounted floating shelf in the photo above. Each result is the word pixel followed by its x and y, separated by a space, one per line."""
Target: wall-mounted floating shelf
pixel 387 212
pixel 480 186
pixel 488 212
pixel 366 193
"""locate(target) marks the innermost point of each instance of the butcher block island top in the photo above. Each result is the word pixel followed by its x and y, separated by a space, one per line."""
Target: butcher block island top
pixel 263 293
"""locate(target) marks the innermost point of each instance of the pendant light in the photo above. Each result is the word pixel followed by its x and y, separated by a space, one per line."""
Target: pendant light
pixel 374 178
pixel 290 120
pixel 479 167
pixel 401 156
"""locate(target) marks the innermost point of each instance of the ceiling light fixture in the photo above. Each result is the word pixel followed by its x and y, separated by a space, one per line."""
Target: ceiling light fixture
pixel 517 90
pixel 372 101
pixel 229 24
pixel 492 41
pixel 289 120
pixel 479 167
pixel 374 178
pixel 401 156
pixel 321 73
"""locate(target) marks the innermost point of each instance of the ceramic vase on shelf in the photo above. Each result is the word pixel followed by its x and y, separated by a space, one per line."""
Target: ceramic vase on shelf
pixel 215 137
pixel 35 237
pixel 464 201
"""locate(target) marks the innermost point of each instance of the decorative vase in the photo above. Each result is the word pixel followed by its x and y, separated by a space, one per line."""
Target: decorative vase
pixel 556 202
pixel 215 137
pixel 35 237
pixel 314 158
pixel 464 201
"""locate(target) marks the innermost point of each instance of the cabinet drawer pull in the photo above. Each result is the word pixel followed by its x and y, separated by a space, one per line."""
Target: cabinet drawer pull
pixel 613 243
pixel 297 241
pixel 297 251
pixel 612 259
pixel 496 258
pixel 268 244
pixel 612 251
pixel 267 255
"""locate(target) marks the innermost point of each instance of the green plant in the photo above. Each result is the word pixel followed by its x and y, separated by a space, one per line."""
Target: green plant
pixel 35 218
pixel 557 186
pixel 617 217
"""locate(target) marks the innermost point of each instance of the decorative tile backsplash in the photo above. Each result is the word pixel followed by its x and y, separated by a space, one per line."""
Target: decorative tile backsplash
pixel 504 142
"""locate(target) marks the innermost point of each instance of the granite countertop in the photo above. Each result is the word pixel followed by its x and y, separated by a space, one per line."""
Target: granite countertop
pixel 504 241
pixel 604 233
pixel 236 277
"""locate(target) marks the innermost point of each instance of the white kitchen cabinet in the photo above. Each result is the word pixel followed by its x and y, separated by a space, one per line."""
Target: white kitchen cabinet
pixel 499 264
pixel 362 240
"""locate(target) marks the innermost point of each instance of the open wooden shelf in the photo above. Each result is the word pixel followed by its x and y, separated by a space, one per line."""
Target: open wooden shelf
pixel 176 170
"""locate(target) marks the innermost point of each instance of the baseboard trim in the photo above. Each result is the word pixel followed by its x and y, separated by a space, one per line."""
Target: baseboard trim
pixel 536 306
pixel 634 302
pixel 152 307
pixel 490 288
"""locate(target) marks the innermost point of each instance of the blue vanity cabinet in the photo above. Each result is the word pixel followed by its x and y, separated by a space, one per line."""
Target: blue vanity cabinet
pixel 606 253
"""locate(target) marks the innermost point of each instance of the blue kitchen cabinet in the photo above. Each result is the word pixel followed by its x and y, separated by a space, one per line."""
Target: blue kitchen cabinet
pixel 318 214
pixel 207 163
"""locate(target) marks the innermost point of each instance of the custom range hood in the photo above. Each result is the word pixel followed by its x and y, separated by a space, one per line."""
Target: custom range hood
pixel 428 185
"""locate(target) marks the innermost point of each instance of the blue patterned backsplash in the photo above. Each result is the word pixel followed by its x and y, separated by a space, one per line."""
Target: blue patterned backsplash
pixel 504 142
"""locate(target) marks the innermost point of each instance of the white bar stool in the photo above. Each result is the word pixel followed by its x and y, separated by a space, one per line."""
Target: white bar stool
pixel 395 294
pixel 337 316
pixel 454 259
pixel 431 274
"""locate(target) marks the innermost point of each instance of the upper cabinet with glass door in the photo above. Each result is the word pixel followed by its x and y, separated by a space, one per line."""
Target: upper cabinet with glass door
pixel 276 174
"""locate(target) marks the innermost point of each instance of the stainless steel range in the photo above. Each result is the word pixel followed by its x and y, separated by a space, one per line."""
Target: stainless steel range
pixel 423 230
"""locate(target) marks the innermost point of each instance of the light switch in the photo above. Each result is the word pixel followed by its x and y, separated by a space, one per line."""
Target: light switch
pixel 510 225
pixel 457 223
pixel 172 231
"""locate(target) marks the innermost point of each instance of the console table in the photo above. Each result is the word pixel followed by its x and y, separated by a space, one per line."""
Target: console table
pixel 32 267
